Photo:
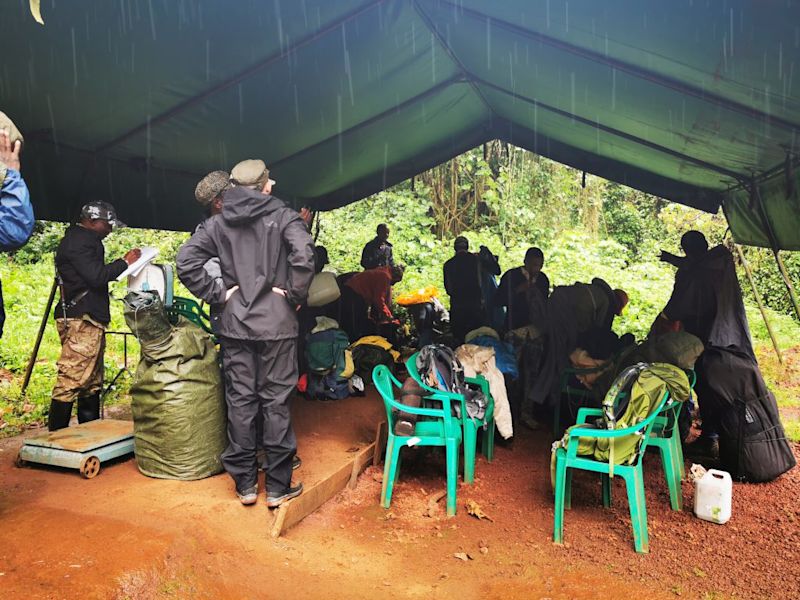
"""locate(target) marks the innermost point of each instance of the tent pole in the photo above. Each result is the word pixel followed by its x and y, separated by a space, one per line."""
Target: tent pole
pixel 788 282
pixel 756 194
pixel 757 295
pixel 39 336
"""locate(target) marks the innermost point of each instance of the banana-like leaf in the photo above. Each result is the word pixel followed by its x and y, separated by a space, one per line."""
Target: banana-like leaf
pixel 36 11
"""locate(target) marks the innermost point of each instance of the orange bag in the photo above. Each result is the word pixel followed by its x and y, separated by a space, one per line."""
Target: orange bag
pixel 419 296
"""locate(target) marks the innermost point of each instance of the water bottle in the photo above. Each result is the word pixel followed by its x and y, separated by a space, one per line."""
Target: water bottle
pixel 712 496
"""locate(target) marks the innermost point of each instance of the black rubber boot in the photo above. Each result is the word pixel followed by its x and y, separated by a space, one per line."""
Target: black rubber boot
pixel 89 408
pixel 59 415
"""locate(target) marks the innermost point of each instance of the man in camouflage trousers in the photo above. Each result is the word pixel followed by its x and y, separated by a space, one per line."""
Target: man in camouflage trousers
pixel 83 314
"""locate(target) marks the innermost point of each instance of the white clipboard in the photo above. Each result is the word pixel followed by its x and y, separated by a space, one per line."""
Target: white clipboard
pixel 148 254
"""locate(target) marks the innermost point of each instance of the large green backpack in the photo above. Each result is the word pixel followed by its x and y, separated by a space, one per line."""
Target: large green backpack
pixel 326 353
pixel 633 395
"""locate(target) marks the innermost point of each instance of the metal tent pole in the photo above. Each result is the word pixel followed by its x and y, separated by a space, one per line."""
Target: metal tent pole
pixel 758 300
pixel 39 336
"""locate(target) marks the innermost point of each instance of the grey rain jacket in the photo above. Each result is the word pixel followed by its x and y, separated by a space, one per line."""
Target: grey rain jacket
pixel 261 243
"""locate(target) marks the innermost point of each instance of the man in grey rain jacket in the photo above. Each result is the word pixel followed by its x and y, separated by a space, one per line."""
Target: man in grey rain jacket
pixel 266 257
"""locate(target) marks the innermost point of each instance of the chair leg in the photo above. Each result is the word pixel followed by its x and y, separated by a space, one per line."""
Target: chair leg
pixel 672 475
pixel 645 545
pixel 487 446
pixel 634 486
pixel 568 488
pixel 558 513
pixel 470 443
pixel 605 484
pixel 398 463
pixel 677 453
pixel 452 476
pixel 390 469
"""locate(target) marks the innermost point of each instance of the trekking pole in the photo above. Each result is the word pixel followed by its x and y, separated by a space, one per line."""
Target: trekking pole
pixel 39 336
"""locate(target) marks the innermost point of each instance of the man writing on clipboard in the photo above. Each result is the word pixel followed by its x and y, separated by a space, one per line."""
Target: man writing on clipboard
pixel 83 314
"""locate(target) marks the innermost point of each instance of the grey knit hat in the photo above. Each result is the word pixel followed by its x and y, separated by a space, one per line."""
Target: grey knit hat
pixel 211 186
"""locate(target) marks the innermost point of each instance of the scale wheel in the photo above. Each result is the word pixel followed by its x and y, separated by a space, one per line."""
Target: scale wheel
pixel 90 467
pixel 20 462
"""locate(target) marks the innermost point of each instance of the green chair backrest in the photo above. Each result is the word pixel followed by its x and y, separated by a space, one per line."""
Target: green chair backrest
pixel 191 310
pixel 411 367
pixel 386 384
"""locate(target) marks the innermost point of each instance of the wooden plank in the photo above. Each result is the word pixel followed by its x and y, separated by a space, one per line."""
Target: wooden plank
pixel 311 499
pixel 360 462
pixel 380 443
pixel 85 436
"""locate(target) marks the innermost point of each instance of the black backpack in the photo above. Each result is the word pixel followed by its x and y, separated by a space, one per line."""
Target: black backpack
pixel 440 369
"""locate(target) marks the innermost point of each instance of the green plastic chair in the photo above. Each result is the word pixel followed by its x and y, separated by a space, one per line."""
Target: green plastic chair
pixel 470 426
pixel 582 394
pixel 440 428
pixel 665 436
pixel 191 310
pixel 567 459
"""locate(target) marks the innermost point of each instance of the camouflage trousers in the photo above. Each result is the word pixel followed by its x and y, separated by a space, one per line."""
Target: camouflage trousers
pixel 80 366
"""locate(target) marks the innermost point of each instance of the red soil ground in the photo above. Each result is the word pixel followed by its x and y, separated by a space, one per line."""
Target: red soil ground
pixel 124 536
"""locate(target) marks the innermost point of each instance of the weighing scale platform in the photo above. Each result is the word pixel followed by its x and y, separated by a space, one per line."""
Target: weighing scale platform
pixel 81 447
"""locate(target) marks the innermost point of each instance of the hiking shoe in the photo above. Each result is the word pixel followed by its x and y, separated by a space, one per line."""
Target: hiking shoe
pixel 275 499
pixel 248 496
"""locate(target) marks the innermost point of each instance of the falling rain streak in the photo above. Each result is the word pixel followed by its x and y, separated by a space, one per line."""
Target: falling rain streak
pixel 74 59
pixel 731 92
pixel 339 130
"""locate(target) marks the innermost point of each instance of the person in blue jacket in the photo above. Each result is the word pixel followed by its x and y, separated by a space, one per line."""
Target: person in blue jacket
pixel 16 212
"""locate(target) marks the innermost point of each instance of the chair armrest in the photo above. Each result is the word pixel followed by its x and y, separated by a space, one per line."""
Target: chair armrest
pixel 584 413
pixel 426 412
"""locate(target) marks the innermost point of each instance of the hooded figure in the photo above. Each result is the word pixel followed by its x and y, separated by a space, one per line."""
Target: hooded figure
pixel 741 422
pixel 707 298
pixel 266 259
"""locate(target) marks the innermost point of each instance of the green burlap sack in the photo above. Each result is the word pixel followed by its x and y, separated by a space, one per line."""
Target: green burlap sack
pixel 178 406
pixel 146 316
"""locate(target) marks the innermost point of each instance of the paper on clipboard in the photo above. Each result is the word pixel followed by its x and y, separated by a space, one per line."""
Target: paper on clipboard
pixel 148 254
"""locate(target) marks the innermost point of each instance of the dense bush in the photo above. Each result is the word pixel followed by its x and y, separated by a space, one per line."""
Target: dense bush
pixel 503 197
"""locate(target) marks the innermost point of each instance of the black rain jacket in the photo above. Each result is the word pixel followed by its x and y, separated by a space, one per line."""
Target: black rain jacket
pixel 261 244
pixel 80 261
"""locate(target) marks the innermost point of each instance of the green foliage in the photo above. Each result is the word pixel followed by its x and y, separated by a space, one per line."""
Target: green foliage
pixel 508 200
pixel 768 278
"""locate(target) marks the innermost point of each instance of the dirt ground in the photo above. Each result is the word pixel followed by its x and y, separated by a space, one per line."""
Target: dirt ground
pixel 125 536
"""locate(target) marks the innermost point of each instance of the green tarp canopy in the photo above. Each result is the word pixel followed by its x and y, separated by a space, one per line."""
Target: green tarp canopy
pixel 696 101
